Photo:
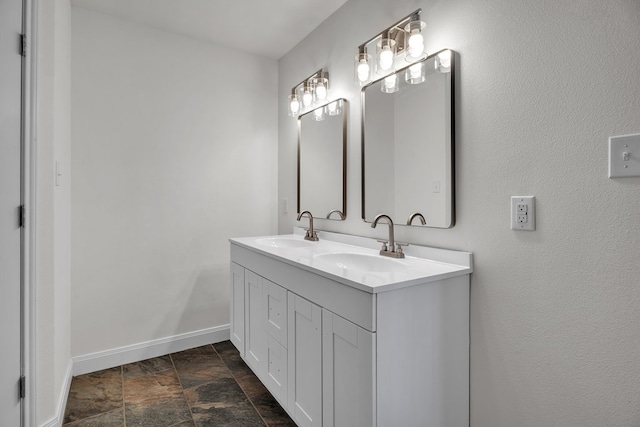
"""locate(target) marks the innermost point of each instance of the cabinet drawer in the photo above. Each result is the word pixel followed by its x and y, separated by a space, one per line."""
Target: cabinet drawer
pixel 275 311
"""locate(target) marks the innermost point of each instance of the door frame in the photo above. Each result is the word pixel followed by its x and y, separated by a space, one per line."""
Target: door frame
pixel 29 192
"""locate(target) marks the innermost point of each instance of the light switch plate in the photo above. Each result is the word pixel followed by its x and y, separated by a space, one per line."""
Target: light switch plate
pixel 624 156
pixel 523 213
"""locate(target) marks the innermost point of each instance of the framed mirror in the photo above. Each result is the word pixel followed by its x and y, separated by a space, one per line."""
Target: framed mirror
pixel 408 143
pixel 322 161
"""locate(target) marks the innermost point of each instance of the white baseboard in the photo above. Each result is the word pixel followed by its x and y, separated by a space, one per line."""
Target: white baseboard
pixel 62 403
pixel 147 350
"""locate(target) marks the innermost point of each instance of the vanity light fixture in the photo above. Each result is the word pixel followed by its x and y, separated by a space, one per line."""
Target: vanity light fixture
pixel 401 43
pixel 312 90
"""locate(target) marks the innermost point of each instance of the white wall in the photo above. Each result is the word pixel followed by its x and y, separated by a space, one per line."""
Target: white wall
pixel 53 254
pixel 174 146
pixel 555 324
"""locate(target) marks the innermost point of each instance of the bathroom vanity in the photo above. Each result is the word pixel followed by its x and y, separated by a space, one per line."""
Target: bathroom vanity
pixel 344 337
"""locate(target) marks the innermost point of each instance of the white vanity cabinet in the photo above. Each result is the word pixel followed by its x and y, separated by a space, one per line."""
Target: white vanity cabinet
pixel 337 353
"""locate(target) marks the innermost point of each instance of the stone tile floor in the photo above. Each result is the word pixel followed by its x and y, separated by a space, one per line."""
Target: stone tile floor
pixel 204 386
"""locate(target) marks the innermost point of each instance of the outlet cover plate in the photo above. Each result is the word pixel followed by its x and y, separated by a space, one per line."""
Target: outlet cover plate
pixel 523 213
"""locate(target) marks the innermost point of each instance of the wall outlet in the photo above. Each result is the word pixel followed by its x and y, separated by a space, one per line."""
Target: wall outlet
pixel 523 213
pixel 285 206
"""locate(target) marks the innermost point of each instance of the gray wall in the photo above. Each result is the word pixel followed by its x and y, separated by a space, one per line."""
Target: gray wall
pixel 174 146
pixel 555 324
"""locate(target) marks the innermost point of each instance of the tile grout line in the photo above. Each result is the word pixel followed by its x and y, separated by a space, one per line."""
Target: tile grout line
pixel 182 388
pixel 239 385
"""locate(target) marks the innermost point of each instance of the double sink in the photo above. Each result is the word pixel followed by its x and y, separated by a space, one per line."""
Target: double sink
pixel 346 260
pixel 353 260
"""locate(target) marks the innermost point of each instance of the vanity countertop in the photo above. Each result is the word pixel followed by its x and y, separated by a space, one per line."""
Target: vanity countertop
pixel 359 265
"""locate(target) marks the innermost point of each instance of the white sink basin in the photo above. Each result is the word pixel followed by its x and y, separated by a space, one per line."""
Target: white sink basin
pixel 361 262
pixel 284 242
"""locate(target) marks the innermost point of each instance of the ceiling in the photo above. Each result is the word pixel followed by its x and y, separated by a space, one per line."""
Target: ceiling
pixel 265 27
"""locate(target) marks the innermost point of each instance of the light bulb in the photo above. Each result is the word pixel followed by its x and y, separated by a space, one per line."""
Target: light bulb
pixel 318 114
pixel 386 59
pixel 321 91
pixel 416 45
pixel 390 84
pixel 415 74
pixel 415 70
pixel 444 60
pixel 363 71
pixel 307 98
pixel 416 40
pixel 390 81
pixel 294 106
pixel 332 108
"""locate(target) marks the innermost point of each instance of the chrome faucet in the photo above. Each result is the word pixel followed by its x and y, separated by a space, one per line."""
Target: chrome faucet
pixel 310 235
pixel 336 211
pixel 416 215
pixel 394 249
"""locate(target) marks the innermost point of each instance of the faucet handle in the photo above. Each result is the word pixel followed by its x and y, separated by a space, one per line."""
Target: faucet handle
pixel 384 244
pixel 399 247
pixel 311 236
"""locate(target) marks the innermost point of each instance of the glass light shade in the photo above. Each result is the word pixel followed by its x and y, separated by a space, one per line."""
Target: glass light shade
pixel 442 62
pixel 415 74
pixel 318 114
pixel 294 105
pixel 320 89
pixel 414 39
pixel 362 69
pixel 334 108
pixel 385 55
pixel 390 84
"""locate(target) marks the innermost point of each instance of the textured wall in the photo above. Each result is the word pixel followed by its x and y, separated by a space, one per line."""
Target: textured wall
pixel 555 323
pixel 173 151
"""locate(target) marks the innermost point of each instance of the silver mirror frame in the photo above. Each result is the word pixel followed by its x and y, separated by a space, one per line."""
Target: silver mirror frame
pixel 452 142
pixel 340 213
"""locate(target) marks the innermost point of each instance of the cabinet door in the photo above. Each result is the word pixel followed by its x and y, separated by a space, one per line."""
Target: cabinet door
pixel 348 361
pixel 305 361
pixel 237 307
pixel 256 336
pixel 277 370
pixel 275 311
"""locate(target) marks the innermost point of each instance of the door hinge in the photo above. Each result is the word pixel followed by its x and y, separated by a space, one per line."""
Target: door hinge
pixel 23 52
pixel 23 387
pixel 23 216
